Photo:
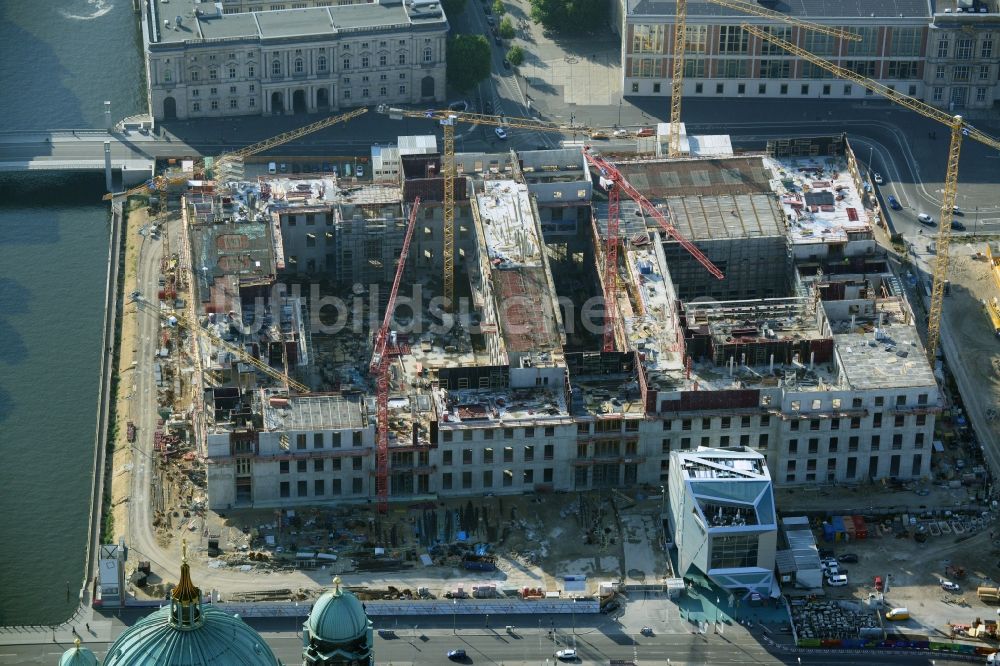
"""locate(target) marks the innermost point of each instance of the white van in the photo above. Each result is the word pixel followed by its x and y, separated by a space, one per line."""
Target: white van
pixel 837 580
pixel 272 167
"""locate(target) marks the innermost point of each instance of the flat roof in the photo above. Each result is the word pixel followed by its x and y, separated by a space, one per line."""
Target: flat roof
pixel 889 357
pixel 493 407
pixel 200 22
pixel 706 176
pixel 736 464
pixel 727 216
pixel 820 199
pixel 313 412
pixel 810 9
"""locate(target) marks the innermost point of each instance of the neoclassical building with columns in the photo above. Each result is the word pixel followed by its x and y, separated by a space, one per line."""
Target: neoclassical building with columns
pixel 203 62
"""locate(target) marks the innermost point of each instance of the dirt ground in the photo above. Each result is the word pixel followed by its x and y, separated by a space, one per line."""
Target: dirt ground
pixel 121 479
pixel 914 572
pixel 536 540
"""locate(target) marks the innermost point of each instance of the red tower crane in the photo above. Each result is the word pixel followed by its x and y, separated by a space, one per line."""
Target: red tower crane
pixel 379 367
pixel 613 174
pixel 611 269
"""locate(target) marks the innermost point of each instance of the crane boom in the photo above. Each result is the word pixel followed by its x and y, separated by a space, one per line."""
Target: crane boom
pixel 611 270
pixel 610 171
pixel 253 149
pixel 236 350
pixel 958 130
pixel 680 48
pixel 379 366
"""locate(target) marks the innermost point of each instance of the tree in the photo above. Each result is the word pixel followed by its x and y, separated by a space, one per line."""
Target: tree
pixel 506 28
pixel 515 55
pixel 570 16
pixel 453 7
pixel 468 61
pixel 498 8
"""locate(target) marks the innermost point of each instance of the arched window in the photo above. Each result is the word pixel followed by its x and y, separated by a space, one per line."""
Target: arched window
pixel 299 65
pixel 276 68
pixel 321 63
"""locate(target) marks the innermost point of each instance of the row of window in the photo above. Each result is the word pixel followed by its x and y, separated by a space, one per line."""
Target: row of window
pixel 740 68
pixel 854 443
pixel 321 465
pixel 234 105
pixel 960 95
pixel 488 455
pixel 507 478
pixel 810 472
pixel 965 47
pixel 320 488
pixel 667 445
pixel 471 434
pixel 963 73
pixel 903 41
pixel 233 90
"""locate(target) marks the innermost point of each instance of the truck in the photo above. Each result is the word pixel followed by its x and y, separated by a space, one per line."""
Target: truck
pixel 989 594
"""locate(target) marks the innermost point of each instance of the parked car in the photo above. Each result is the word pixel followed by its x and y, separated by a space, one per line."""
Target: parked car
pixel 359 171
pixel 598 134
pixel 619 133
pixel 926 219
pixel 646 131
pixel 877 177
pixel 848 558
pixel 950 586
pixel 500 132
pixel 647 631
pixel 955 210
pixel 457 655
pixel 837 580
pixel 568 654
pixel 894 203
pixel 957 226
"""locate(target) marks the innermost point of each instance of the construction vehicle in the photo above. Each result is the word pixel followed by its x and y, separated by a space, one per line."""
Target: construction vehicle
pixel 175 318
pixel 993 257
pixel 379 368
pixel 680 44
pixel 989 594
pixel 959 130
pixel 993 312
pixel 160 183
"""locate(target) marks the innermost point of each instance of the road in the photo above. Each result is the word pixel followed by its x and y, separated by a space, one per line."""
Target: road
pixel 491 647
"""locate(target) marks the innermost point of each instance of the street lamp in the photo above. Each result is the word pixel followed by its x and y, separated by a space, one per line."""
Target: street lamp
pixel 619 114
pixel 454 616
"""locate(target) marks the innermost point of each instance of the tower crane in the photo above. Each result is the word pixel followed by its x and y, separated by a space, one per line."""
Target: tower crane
pixel 159 182
pixel 680 39
pixel 959 130
pixel 379 367
pixel 236 350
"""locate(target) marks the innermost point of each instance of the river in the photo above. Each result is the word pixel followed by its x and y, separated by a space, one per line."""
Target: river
pixel 61 60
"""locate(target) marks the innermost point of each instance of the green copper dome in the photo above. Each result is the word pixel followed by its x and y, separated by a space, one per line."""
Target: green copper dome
pixel 78 656
pixel 338 630
pixel 338 617
pixel 221 639
pixel 186 633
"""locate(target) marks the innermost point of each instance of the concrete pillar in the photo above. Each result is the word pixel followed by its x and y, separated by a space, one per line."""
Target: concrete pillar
pixel 108 184
pixel 108 125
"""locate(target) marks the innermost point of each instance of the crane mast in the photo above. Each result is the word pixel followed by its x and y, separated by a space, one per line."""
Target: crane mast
pixel 958 130
pixel 379 367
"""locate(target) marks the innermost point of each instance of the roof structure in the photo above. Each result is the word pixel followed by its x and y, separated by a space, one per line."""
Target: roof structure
pixel 313 412
pixel 338 629
pixel 806 9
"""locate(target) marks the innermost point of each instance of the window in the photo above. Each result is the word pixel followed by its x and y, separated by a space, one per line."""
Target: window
pixel 826 89
pixel 937 94
pixel 195 92
pixel 466 480
pixel 734 552
pixel 832 445
pixel 365 61
pixel 918 440
pixel 347 94
pixel 852 443
pixel 213 74
pixel 529 453
pixel 635 87
pixel 741 88
pixel 196 106
pixel 383 60
pixel 649 38
pixel 319 487
pixel 818 43
pixel 428 55
pixel 877 420
pixel 276 68
pixel 732 39
pixel 984 72
pixel 285 489
pixel 251 71
pixel 168 76
pixel 300 441
pixel 213 91
pixel 283 467
pixel 813 445
pixel 357 485
pixel 364 92
pixel 656 87
pixel 402 58
pixel 719 88
pixel 383 91
pixel 876 442
pixel 528 476
pixel 699 88
pixel 814 424
pixel 466 456
pixel 939 72
pixel 847 89
pixel 906 42
pixel 793 446
pixel 488 479
pixel 508 454
pixel 868 44
pixel 321 63
pixel 793 426
pixel 234 104
pixel 731 68
pixel 706 424
pixel 897 441
pixel 695 38
pixel 446 457
pixel 986 49
pixel 356 438
pixel 446 481
pixel 899 421
pixel 761 88
pixel 980 95
pixel 232 72
pixel 303 489
pixel 781 32
pixel 549 452
pixel 963 49
pixel 232 90
pixel 762 441
pixel 855 423
pixel 942 48
pixel 962 73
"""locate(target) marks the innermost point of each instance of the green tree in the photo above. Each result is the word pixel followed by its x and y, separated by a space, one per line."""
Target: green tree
pixel 570 16
pixel 453 7
pixel 515 55
pixel 468 61
pixel 506 28
pixel 498 8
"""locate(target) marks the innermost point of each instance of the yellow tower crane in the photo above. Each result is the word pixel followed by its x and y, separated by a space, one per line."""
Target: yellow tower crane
pixel 448 120
pixel 236 350
pixel 959 129
pixel 160 183
pixel 680 39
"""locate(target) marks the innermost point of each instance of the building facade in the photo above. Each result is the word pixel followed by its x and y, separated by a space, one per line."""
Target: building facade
pixel 204 63
pixel 945 57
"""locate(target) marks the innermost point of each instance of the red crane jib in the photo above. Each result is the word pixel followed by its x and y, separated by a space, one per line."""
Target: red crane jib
pixel 613 174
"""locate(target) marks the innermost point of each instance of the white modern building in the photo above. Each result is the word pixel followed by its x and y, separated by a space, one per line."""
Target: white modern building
pixel 723 518
pixel 203 62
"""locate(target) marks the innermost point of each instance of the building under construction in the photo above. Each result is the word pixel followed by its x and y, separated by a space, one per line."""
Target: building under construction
pixel 805 352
